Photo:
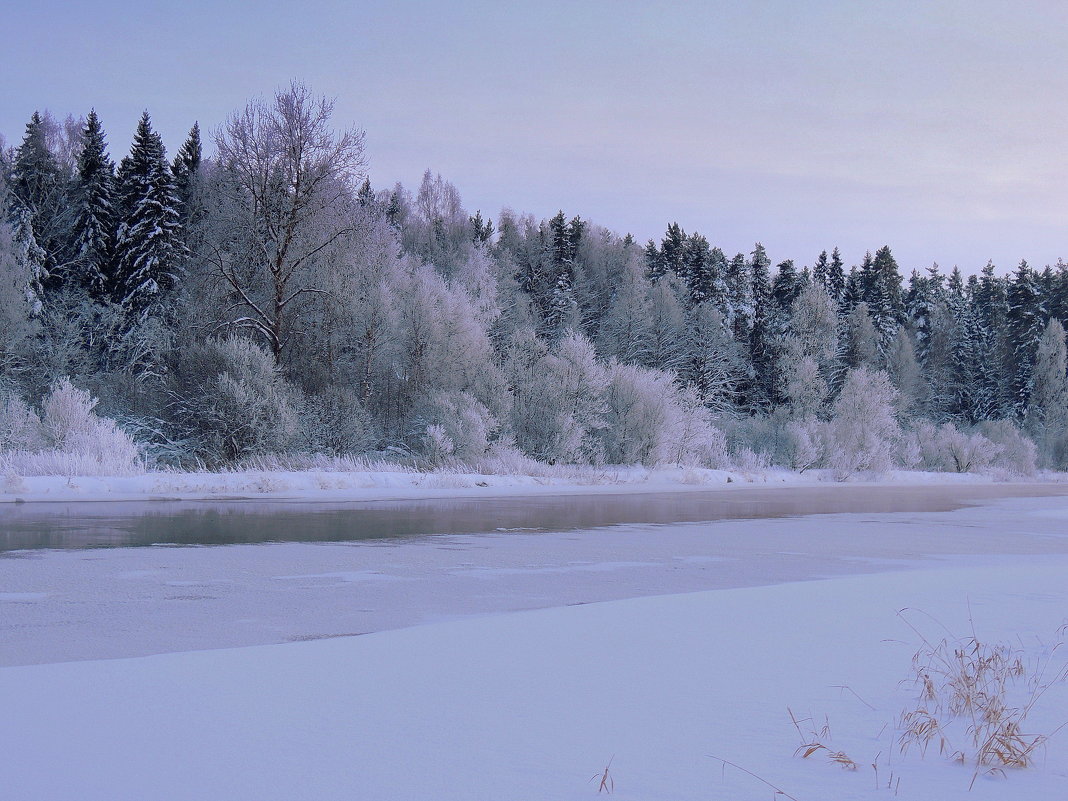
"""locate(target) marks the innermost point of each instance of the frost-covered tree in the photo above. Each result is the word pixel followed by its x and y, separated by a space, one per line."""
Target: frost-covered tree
pixel 716 365
pixel 282 200
pixel 863 429
pixel 38 187
pixel 558 398
pixel 1047 416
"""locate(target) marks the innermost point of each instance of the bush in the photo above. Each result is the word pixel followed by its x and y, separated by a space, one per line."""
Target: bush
pixel 462 428
pixel 1018 453
pixel 233 403
pixel 946 449
pixel 336 423
pixel 20 427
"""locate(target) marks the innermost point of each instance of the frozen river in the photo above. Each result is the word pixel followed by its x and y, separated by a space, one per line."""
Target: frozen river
pixel 319 571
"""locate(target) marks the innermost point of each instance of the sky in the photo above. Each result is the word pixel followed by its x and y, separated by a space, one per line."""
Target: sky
pixel 934 127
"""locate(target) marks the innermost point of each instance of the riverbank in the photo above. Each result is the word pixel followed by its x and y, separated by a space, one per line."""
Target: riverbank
pixel 399 484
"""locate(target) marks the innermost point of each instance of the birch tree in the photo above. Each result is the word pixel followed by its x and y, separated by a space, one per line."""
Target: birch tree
pixel 286 183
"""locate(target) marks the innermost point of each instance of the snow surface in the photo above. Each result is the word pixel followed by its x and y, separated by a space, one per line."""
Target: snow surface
pixel 534 704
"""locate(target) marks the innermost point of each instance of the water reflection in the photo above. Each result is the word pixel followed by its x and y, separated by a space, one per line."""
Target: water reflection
pixel 124 524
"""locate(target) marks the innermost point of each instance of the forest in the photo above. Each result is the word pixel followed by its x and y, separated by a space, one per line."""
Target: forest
pixel 259 296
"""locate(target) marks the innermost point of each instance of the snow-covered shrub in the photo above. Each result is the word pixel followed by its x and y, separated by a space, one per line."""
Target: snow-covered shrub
pixel 1018 454
pixel 437 445
pixel 235 403
pixel 70 426
pixel 944 448
pixel 558 398
pixel 20 427
pixel 505 459
pixel 334 422
pixel 462 428
pixel 863 431
pixel 637 413
pixel 806 443
pixel 764 435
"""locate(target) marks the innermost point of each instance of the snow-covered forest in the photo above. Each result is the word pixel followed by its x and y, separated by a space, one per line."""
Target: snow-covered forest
pixel 258 295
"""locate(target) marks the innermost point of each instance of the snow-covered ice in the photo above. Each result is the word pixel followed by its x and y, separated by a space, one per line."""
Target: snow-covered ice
pixel 702 637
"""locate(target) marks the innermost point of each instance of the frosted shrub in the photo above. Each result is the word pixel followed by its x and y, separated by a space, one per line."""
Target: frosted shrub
pixel 464 422
pixel 558 398
pixel 863 430
pixel 437 445
pixel 505 459
pixel 805 443
pixel 945 448
pixel 80 441
pixel 1018 454
pixel 237 404
pixel 637 413
pixel 688 437
pixel 336 423
pixel 753 441
pixel 20 427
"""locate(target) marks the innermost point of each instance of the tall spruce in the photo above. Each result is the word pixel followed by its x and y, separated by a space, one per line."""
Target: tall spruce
pixel 1025 322
pixel 94 227
pixel 186 168
pixel 760 394
pixel 148 237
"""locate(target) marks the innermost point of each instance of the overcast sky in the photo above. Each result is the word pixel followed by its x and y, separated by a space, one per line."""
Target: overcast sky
pixel 938 128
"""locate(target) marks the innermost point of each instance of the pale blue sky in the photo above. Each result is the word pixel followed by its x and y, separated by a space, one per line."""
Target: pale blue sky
pixel 935 127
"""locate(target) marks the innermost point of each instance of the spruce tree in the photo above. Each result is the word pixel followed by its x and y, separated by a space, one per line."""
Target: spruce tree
pixel 820 270
pixel 836 279
pixel 697 269
pixel 186 169
pixel 1025 323
pixel 761 392
pixel 738 303
pixel 94 228
pixel 147 241
pixel 673 251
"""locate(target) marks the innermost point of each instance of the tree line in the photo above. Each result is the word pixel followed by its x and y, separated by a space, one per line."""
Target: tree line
pixel 268 299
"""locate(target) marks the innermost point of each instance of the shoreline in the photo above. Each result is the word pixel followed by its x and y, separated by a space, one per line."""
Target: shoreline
pixel 321 486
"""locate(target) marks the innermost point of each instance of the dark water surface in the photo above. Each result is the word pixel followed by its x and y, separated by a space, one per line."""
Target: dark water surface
pixel 141 523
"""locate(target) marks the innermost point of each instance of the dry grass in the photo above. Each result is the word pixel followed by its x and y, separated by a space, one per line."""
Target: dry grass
pixel 608 784
pixel 778 791
pixel 973 700
pixel 815 742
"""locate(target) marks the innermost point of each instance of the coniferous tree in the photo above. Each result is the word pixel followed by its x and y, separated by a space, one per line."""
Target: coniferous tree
pixel 673 251
pixel 881 284
pixel 697 269
pixel 761 392
pixel 836 279
pixel 148 246
pixel 186 165
pixel 654 265
pixel 1025 324
pixel 820 269
pixel 738 302
pixel 481 230
pixel 94 227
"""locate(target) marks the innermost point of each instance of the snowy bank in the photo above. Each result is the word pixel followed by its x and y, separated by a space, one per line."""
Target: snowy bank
pixel 370 485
